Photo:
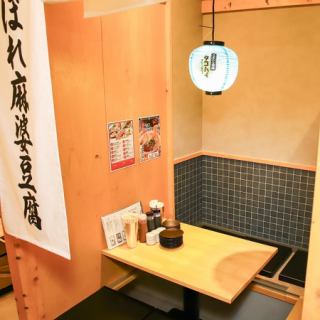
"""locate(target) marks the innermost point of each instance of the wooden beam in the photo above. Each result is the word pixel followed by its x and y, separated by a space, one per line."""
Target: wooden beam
pixel 239 5
pixel 296 311
pixel 55 1
pixel 273 293
pixel 311 305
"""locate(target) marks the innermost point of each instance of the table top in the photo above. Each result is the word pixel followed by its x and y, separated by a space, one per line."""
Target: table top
pixel 212 263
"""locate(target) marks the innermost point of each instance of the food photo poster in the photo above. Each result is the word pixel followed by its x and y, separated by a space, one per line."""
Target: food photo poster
pixel 121 144
pixel 149 138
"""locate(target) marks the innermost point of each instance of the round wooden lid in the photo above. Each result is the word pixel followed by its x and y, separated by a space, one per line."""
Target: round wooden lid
pixel 171 223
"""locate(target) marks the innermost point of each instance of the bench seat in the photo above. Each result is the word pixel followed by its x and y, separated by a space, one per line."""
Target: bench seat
pixel 107 304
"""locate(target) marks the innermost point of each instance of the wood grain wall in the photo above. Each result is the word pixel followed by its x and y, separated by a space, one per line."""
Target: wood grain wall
pixel 186 98
pixel 103 69
pixel 272 111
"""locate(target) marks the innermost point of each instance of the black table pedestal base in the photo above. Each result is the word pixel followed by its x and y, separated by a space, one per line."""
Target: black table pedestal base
pixel 190 306
pixel 176 314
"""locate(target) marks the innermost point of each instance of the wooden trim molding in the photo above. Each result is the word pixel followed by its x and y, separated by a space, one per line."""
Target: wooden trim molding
pixel 123 281
pixel 263 161
pixel 296 312
pixel 249 159
pixel 239 5
pixel 274 293
pixel 188 157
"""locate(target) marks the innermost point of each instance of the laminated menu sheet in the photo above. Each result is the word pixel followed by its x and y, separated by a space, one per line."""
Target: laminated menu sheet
pixel 113 227
pixel 121 146
pixel 149 138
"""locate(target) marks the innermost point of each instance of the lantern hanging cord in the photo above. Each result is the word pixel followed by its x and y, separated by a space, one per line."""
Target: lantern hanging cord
pixel 213 5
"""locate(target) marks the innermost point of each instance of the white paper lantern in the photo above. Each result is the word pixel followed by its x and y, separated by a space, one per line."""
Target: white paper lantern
pixel 213 67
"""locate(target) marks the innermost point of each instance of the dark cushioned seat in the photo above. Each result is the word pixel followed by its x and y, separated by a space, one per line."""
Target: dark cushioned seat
pixel 107 304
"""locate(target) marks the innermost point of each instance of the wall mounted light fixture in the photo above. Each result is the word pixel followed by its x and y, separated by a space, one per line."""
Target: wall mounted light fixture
pixel 213 67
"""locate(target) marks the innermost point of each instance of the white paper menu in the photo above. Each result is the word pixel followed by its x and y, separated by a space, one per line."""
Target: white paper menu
pixel 113 227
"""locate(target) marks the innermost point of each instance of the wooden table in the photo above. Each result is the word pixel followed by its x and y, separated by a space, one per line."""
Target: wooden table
pixel 212 263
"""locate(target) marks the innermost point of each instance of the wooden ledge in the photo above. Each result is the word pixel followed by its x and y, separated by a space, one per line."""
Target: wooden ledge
pixel 274 293
pixel 296 312
pixel 249 159
pixel 123 281
pixel 240 5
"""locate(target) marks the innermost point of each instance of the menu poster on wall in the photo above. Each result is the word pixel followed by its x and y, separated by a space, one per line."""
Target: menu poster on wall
pixel 113 226
pixel 121 146
pixel 149 138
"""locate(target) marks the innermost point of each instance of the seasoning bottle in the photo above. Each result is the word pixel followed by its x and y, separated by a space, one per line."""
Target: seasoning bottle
pixel 151 238
pixel 160 206
pixel 150 221
pixel 157 217
pixel 143 227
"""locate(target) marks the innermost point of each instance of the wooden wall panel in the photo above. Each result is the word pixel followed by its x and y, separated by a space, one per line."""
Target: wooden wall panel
pixel 77 80
pixel 93 8
pixel 99 74
pixel 186 34
pixel 135 86
pixel 272 110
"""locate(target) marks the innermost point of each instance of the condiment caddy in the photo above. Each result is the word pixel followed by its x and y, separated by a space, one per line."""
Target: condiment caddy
pixel 151 228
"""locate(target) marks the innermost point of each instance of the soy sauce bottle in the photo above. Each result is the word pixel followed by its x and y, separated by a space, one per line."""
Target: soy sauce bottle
pixel 157 217
pixel 150 221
